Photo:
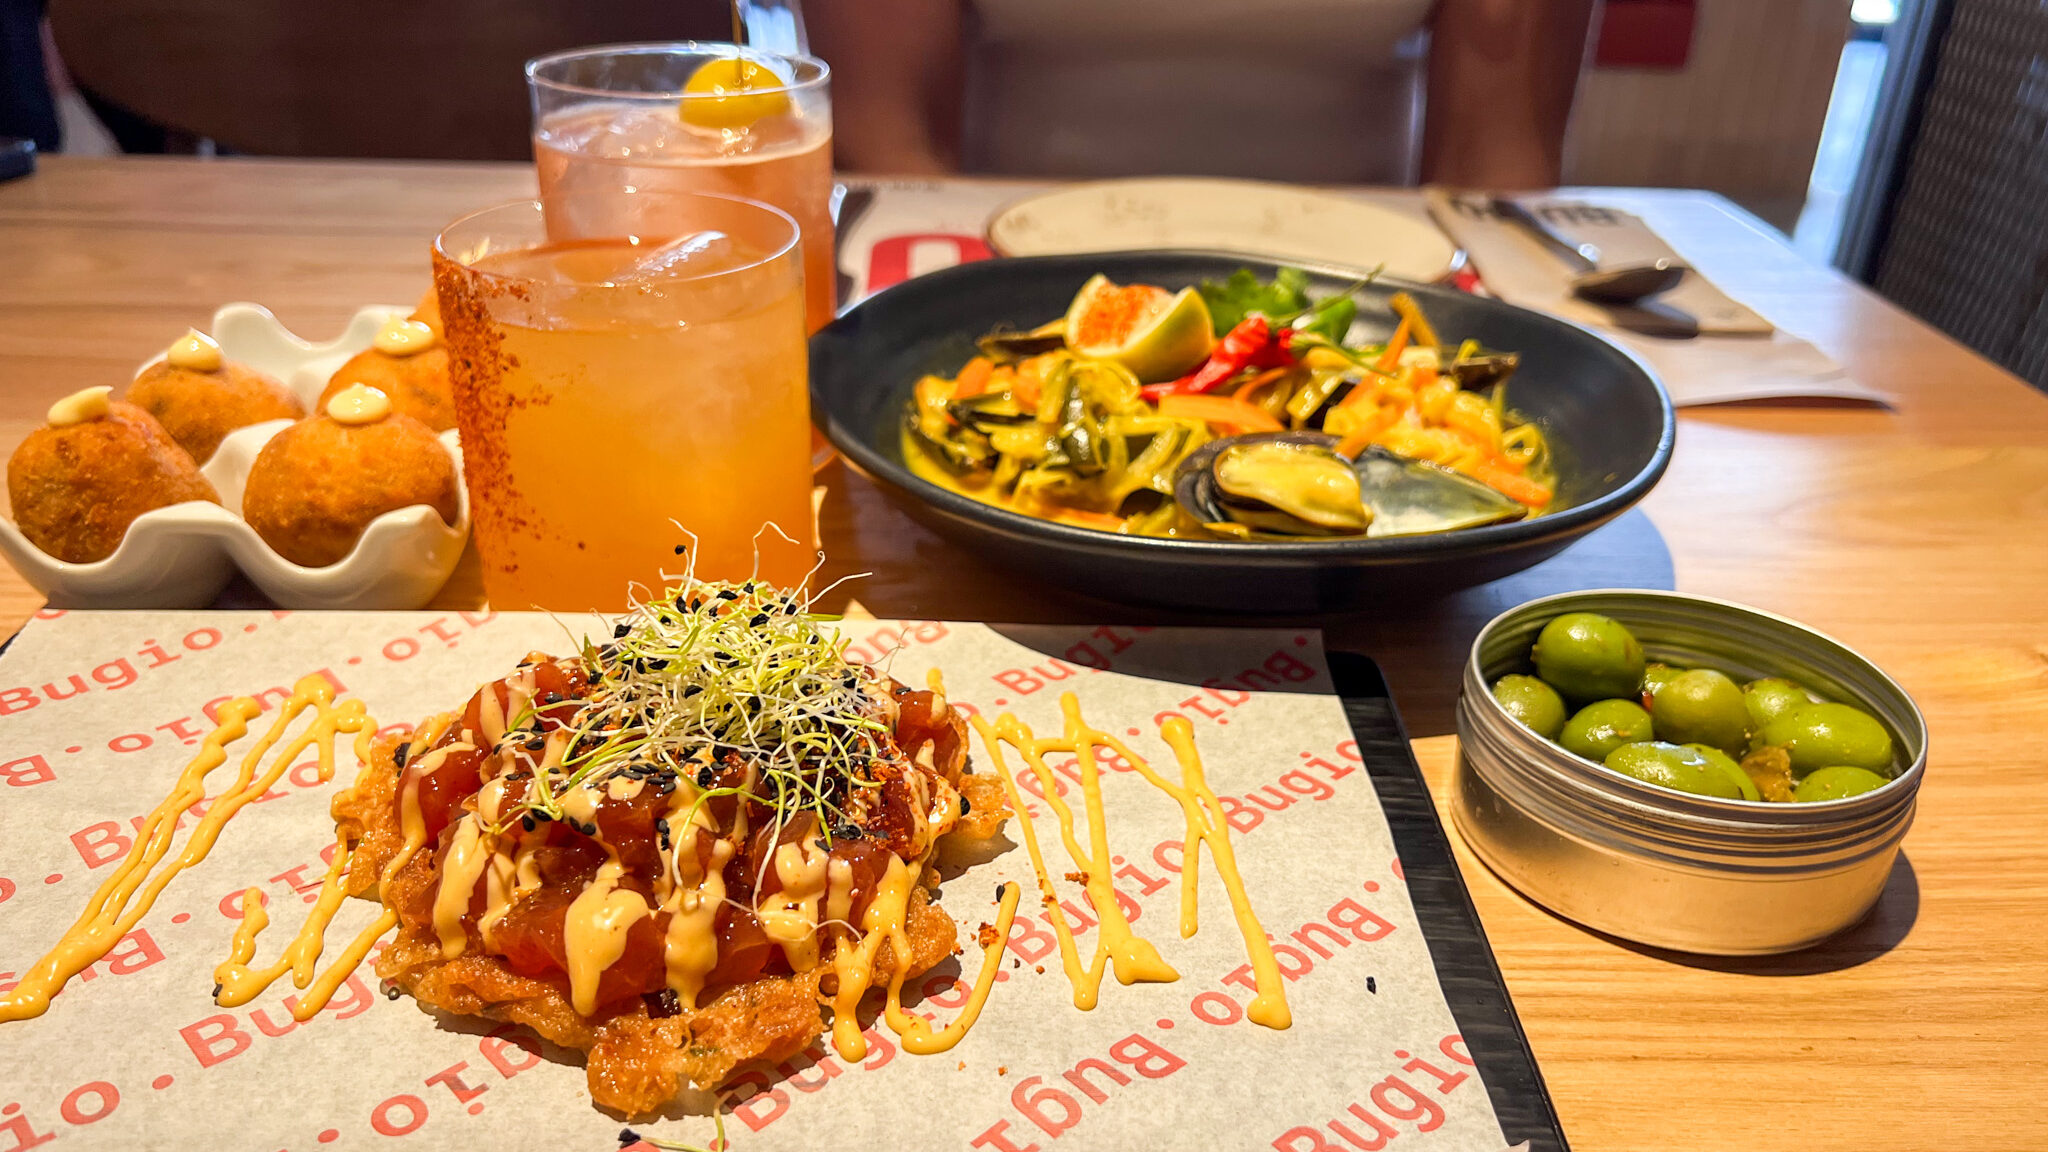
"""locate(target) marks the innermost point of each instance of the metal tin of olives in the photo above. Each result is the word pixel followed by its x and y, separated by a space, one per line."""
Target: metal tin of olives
pixel 1672 869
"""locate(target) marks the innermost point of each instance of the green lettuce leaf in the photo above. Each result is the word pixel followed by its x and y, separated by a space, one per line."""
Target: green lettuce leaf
pixel 1243 294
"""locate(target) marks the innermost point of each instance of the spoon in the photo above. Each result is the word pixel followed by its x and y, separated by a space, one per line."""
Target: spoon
pixel 1620 285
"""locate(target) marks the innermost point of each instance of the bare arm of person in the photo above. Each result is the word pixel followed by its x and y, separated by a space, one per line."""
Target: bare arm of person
pixel 1501 78
pixel 895 82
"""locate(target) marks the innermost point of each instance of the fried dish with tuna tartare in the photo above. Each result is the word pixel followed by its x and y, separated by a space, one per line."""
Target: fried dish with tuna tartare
pixel 663 849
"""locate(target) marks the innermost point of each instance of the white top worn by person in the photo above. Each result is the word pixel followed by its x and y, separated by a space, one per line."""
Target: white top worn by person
pixel 1472 92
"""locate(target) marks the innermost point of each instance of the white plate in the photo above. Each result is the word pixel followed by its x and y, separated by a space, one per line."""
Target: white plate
pixel 1279 222
pixel 182 556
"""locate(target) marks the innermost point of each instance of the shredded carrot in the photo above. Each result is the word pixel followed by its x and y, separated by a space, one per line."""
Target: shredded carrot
pixel 1520 489
pixel 1257 382
pixel 1360 392
pixel 1234 414
pixel 973 379
pixel 1391 358
pixel 1082 518
pixel 1407 309
pixel 1363 435
pixel 1029 379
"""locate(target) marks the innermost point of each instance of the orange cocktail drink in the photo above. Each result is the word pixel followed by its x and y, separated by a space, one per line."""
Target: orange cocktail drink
pixel 625 398
pixel 687 117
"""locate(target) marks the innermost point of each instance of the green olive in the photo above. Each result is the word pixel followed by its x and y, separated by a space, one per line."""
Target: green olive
pixel 1816 736
pixel 1656 676
pixel 1771 698
pixel 1603 726
pixel 1588 657
pixel 1726 764
pixel 1702 706
pixel 1673 767
pixel 1536 704
pixel 1837 782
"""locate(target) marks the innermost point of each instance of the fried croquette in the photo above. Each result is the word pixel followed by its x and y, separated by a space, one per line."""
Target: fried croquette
pixel 429 313
pixel 319 483
pixel 79 481
pixel 199 396
pixel 407 362
pixel 417 384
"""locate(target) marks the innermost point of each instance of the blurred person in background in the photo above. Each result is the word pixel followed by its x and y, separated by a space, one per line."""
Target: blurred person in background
pixel 28 110
pixel 1469 92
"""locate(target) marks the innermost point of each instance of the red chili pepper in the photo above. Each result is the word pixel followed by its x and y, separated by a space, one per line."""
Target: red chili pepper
pixel 1252 344
pixel 1278 352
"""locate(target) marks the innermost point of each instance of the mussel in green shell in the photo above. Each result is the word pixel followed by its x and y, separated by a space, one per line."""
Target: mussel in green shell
pixel 1479 371
pixel 1004 346
pixel 1289 488
pixel 1409 497
pixel 1294 485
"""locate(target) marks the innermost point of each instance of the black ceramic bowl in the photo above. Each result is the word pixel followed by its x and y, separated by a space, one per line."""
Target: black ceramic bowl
pixel 1608 420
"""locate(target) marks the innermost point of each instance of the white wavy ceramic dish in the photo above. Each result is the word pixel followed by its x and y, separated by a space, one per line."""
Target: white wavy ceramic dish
pixel 183 555
pixel 1279 222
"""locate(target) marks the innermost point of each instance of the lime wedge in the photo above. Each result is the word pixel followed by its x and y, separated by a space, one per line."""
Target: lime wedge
pixel 1158 335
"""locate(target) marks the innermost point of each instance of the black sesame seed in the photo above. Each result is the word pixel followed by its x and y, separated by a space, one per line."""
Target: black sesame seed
pixel 216 990
pixel 398 753
pixel 526 821
pixel 663 1004
pixel 543 815
pixel 619 633
pixel 705 777
pixel 758 620
pixel 963 805
pixel 681 549
pixel 692 690
pixel 626 1135
pixel 727 594
pixel 552 698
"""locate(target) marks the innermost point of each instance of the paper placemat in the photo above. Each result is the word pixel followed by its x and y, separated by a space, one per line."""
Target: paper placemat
pixel 103 710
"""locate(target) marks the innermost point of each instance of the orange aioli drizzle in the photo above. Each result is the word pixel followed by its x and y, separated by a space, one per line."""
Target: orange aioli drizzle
pixel 854 964
pixel 1130 956
pixel 1070 959
pixel 125 897
pixel 886 920
pixel 1206 823
pixel 240 983
pixel 1200 808
pixel 917 1035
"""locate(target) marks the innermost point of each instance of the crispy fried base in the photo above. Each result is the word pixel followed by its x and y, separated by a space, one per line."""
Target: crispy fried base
pixel 635 1060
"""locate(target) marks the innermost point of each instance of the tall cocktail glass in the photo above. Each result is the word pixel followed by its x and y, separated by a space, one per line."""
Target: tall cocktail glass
pixel 613 412
pixel 687 117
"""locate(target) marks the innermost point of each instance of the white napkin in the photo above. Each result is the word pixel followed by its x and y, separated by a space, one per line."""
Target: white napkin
pixel 1739 355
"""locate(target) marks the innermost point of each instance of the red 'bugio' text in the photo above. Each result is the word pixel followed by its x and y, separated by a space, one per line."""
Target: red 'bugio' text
pixel 1370 1123
pixel 1053 1105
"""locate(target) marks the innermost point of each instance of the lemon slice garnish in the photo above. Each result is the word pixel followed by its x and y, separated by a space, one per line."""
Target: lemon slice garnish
pixel 725 94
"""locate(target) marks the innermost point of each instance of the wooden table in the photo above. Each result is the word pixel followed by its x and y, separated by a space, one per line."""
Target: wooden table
pixel 1918 536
